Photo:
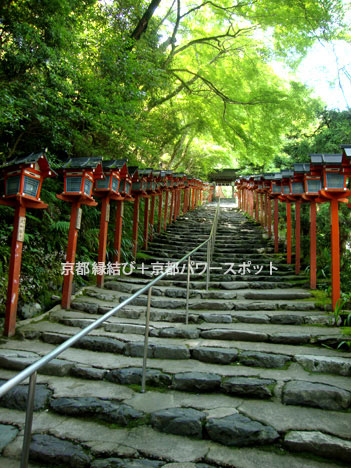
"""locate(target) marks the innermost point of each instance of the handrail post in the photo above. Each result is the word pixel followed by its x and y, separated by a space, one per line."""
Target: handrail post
pixel 209 246
pixel 29 419
pixel 187 293
pixel 146 339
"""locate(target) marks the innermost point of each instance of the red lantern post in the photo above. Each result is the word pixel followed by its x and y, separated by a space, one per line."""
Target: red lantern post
pixel 275 193
pixel 23 178
pixel 139 184
pixel 108 189
pixel 335 190
pixel 125 190
pixel 151 187
pixel 285 197
pixel 79 176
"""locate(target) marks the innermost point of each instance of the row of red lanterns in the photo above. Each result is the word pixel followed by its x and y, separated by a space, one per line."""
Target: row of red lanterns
pixel 324 179
pixel 110 181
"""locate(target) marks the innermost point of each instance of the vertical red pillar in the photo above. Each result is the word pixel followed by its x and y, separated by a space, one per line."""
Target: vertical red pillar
pixel 152 216
pixel 135 225
pixel 71 254
pixel 297 236
pixel 14 270
pixel 313 244
pixel 335 251
pixel 118 231
pixel 288 233
pixel 146 224
pixel 165 211
pixel 159 225
pixel 262 209
pixel 193 199
pixel 171 207
pixel 276 222
pixel 176 198
pixel 266 211
pixel 269 218
pixel 185 200
pixel 104 220
pixel 257 208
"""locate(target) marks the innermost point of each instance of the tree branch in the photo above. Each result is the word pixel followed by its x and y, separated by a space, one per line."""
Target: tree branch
pixel 215 5
pixel 172 39
pixel 165 17
pixel 144 21
pixel 218 92
pixel 206 40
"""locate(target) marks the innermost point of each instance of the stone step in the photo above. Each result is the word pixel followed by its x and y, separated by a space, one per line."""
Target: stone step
pixel 178 316
pixel 226 285
pixel 275 333
pixel 209 304
pixel 225 423
pixel 212 293
pixel 267 382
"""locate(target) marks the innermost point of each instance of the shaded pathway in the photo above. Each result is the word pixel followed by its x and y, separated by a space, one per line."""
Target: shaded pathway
pixel 248 383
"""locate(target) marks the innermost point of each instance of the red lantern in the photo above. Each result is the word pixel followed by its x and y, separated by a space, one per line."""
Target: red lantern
pixel 23 178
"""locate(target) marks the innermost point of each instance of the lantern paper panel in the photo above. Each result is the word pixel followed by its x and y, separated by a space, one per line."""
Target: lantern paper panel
pixel 286 189
pixel 297 188
pixel 276 188
pixel 313 184
pixel 334 180
pixel 13 185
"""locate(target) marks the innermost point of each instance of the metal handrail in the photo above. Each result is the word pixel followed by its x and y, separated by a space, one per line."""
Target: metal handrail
pixel 31 371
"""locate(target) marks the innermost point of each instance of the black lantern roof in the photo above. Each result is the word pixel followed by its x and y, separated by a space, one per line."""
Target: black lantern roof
pixel 286 173
pixel 278 176
pixel 145 172
pixel 224 175
pixel 133 171
pixel 330 158
pixel 82 163
pixel 114 163
pixel 160 175
pixel 347 150
pixel 32 158
pixel 269 176
pixel 302 167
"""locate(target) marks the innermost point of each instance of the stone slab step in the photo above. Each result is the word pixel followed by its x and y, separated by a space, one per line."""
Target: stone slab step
pixel 227 294
pixel 227 285
pixel 146 445
pixel 165 344
pixel 277 317
pixel 308 393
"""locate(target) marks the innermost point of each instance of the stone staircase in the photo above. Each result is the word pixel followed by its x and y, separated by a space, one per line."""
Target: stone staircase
pixel 254 379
